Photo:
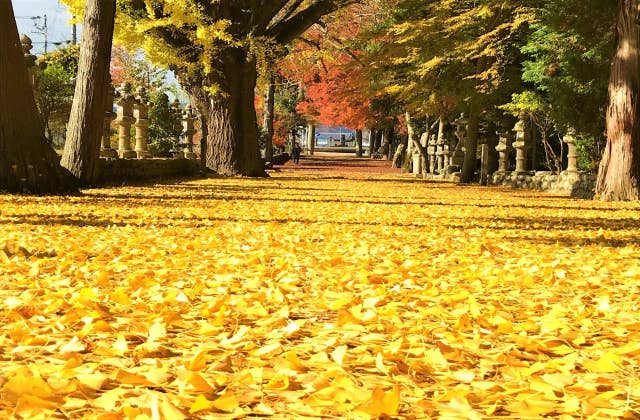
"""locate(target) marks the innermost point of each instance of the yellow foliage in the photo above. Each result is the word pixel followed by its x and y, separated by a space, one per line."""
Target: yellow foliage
pixel 356 296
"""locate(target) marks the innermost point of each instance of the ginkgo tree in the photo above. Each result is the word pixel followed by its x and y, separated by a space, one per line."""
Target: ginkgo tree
pixel 438 56
pixel 28 163
pixel 214 48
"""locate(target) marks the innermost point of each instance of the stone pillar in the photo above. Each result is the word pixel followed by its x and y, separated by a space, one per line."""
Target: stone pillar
pixel 520 145
pixel 431 152
pixel 141 113
pixel 29 59
pixel 109 116
pixel 572 155
pixel 188 130
pixel 440 153
pixel 125 120
pixel 503 148
pixel 457 156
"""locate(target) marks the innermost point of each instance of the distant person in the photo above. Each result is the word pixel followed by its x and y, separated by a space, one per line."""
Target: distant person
pixel 296 152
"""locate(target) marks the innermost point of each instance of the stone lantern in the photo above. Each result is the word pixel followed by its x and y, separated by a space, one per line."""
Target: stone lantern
pixel 457 156
pixel 188 130
pixel 141 113
pixel 431 153
pixel 125 121
pixel 520 145
pixel 109 116
pixel 29 59
pixel 503 148
pixel 572 155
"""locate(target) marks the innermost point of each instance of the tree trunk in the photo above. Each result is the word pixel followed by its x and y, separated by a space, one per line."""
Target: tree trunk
pixel 269 115
pixel 372 142
pixel 359 143
pixel 414 140
pixel 387 141
pixel 232 127
pixel 619 172
pixel 311 138
pixel 28 164
pixel 82 149
pixel 470 162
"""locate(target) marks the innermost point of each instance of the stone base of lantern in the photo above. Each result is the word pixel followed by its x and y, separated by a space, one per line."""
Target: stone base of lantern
pixel 189 155
pixel 143 154
pixel 127 154
pixel 109 153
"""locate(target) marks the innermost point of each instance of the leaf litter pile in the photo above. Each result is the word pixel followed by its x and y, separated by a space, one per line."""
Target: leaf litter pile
pixel 318 297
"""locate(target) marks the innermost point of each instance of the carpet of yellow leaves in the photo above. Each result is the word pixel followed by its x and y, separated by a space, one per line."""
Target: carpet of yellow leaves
pixel 318 297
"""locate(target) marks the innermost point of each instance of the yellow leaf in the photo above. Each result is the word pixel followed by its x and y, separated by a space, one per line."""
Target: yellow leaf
pixel 382 403
pixel 198 362
pixel 608 363
pixel 338 354
pixel 278 383
pixel 199 383
pixel 294 361
pixel 228 402
pixel 200 404
pixel 129 378
pixel 380 364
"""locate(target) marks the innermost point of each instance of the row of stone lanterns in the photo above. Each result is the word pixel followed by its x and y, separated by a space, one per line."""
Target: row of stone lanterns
pixel 520 144
pixel 133 111
pixel 445 156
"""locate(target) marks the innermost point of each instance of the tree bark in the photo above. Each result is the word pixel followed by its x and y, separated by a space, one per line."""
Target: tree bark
pixel 268 117
pixel 359 143
pixel 232 127
pixel 619 172
pixel 82 149
pixel 28 164
pixel 470 162
pixel 311 138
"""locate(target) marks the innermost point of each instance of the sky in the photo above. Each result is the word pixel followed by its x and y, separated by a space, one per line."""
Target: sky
pixel 58 27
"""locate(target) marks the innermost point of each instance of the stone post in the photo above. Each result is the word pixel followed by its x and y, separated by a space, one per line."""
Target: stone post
pixel 109 116
pixel 572 155
pixel 141 113
pixel 520 144
pixel 457 156
pixel 431 152
pixel 503 148
pixel 440 151
pixel 125 120
pixel 29 59
pixel 188 130
pixel 177 112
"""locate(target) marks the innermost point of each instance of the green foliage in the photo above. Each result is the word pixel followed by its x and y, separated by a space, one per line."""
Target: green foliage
pixel 54 95
pixel 67 57
pixel 165 128
pixel 568 58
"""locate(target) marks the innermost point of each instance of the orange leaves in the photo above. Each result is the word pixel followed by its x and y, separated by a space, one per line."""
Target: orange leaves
pixel 339 297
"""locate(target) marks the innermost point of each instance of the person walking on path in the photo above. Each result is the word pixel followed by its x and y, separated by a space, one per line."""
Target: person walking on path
pixel 295 153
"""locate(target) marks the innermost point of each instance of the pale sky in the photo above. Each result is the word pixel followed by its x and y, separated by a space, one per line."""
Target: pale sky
pixel 58 27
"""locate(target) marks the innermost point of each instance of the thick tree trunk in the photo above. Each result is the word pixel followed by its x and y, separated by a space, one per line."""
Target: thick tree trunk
pixel 82 149
pixel 619 173
pixel 358 143
pixel 311 138
pixel 232 140
pixel 28 164
pixel 268 117
pixel 372 142
pixel 470 162
pixel 387 141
